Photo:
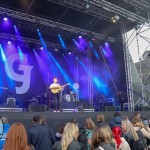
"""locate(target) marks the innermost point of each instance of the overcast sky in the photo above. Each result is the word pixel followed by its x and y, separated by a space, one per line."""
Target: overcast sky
pixel 143 44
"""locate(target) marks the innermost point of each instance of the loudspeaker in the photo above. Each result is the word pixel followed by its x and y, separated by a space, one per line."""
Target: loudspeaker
pixel 11 102
pixel 109 108
pixel 73 105
pixel 144 108
pixel 37 108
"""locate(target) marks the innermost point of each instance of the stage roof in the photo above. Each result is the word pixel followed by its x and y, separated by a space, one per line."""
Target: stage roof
pixel 59 11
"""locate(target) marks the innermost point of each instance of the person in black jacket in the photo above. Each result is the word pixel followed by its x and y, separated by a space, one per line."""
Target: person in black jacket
pixel 130 134
pixel 69 139
pixel 40 136
pixel 101 120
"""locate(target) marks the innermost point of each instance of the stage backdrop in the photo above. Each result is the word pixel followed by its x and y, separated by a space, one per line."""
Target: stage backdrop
pixel 27 73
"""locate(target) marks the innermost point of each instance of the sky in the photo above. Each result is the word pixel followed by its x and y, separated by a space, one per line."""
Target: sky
pixel 143 44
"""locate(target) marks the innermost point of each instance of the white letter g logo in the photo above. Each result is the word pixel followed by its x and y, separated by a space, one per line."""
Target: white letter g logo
pixel 24 78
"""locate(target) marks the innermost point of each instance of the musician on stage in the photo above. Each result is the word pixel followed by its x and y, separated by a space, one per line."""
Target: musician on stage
pixel 57 95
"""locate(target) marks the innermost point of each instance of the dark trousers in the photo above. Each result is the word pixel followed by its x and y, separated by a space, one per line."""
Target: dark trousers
pixel 57 103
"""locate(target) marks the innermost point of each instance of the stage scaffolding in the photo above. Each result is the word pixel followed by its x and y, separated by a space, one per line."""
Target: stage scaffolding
pixel 104 10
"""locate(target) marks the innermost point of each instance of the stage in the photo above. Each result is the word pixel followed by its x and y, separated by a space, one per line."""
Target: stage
pixel 55 119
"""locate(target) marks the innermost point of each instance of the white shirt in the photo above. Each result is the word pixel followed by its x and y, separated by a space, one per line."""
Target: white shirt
pixel 54 85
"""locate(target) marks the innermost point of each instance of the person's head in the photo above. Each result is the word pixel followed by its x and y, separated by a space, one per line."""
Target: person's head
pixel 74 120
pixel 16 138
pixel 117 114
pixel 127 127
pixel 100 118
pixel 137 122
pixel 89 124
pixel 44 121
pixel 137 115
pixel 37 119
pixel 55 80
pixel 61 128
pixel 5 120
pixel 71 131
pixel 99 135
pixel 117 135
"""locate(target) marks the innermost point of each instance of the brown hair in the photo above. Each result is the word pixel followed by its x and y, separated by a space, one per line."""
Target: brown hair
pixel 100 118
pixel 137 114
pixel 137 122
pixel 16 138
pixel 89 124
pixel 99 135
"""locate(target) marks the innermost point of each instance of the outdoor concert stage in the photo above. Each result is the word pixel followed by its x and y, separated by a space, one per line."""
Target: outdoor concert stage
pixel 56 119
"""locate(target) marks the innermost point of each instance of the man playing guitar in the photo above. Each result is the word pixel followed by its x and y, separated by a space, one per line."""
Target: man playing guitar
pixel 56 89
pixel 57 97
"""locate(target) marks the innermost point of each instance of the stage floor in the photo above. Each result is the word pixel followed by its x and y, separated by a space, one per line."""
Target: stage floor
pixel 54 119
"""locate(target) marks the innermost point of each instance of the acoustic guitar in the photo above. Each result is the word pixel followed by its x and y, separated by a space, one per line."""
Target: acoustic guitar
pixel 58 89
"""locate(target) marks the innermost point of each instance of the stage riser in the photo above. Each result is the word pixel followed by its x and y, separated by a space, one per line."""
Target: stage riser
pixel 55 119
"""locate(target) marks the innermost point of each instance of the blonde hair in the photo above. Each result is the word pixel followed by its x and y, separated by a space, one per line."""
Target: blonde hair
pixel 130 129
pixel 99 135
pixel 100 118
pixel 89 124
pixel 69 133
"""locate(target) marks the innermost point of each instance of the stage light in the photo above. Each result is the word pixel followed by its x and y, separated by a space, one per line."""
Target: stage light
pixel 80 37
pixel 106 43
pixel 38 30
pixel 115 18
pixel 5 18
pixel 41 48
pixel 9 42
pixel 14 26
pixel 87 6
pixel 69 53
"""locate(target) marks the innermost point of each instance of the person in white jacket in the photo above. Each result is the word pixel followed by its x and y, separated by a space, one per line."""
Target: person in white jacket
pixel 121 143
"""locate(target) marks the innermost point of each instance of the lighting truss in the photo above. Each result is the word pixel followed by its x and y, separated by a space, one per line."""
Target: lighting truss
pixel 52 24
pixel 97 9
pixel 80 5
pixel 119 11
pixel 27 42
pixel 141 4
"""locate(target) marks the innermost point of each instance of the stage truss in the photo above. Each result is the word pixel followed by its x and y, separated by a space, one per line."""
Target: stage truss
pixel 98 8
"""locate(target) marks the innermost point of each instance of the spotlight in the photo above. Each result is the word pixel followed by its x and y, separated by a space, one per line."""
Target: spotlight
pixel 59 35
pixel 38 30
pixel 69 53
pixel 5 18
pixel 80 37
pixel 87 6
pixel 106 43
pixel 41 48
pixel 18 47
pixel 9 42
pixel 115 18
pixel 14 26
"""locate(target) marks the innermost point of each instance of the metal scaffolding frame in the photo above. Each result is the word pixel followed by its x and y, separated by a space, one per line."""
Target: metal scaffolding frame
pixel 131 92
pixel 27 42
pixel 127 59
pixel 140 4
pixel 97 8
pixel 52 24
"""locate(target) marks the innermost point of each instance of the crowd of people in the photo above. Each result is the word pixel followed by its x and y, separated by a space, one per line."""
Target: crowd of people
pixel 121 133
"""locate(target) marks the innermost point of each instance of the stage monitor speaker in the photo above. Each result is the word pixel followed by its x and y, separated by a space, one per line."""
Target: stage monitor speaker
pixel 11 102
pixel 109 108
pixel 37 108
pixel 144 108
pixel 74 105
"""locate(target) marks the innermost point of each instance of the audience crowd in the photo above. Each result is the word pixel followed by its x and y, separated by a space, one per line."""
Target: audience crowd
pixel 121 133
